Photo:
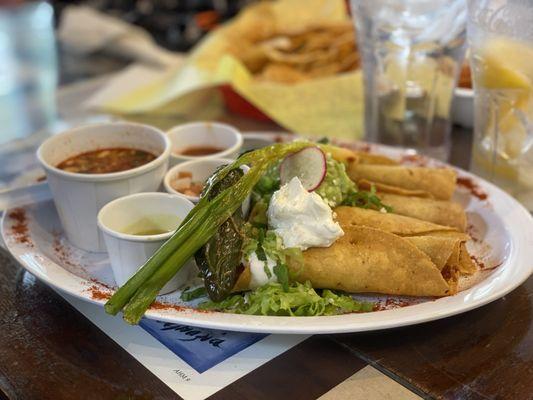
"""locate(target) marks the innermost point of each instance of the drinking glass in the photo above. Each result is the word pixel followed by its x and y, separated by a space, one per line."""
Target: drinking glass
pixel 28 72
pixel 412 53
pixel 500 35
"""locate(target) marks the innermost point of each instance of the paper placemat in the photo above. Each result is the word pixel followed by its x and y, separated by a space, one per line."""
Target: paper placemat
pixel 193 362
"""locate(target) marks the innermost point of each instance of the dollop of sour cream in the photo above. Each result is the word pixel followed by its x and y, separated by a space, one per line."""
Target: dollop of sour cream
pixel 301 218
pixel 258 274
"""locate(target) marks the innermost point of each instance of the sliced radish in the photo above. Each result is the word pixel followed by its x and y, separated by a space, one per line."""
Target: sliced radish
pixel 308 164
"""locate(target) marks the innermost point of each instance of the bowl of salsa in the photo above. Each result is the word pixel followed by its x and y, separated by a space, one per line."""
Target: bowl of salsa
pixel 200 140
pixel 91 165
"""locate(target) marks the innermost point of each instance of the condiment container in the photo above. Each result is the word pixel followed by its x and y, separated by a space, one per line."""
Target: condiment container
pixel 128 251
pixel 200 170
pixel 204 135
pixel 78 197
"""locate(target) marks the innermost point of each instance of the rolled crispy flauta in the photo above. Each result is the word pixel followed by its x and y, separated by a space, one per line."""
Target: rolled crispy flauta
pixel 438 183
pixel 440 212
pixel 367 260
pixel 445 245
pixel 367 185
pixel 368 169
pixel 385 253
pixel 348 156
pixel 389 222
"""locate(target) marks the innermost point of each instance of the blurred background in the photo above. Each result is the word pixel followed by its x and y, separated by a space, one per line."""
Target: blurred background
pixel 174 24
pixel 36 60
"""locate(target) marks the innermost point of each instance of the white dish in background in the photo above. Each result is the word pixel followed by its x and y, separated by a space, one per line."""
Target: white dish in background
pixel 503 225
pixel 208 134
pixel 79 197
pixel 463 107
pixel 127 252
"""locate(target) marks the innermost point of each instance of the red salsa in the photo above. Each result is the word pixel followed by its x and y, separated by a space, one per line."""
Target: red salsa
pixel 105 161
pixel 200 151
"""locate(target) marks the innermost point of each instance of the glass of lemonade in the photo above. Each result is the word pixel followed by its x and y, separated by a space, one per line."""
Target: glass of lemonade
pixel 412 54
pixel 500 35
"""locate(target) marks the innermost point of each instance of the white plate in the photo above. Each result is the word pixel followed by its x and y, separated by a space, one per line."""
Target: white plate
pixel 505 227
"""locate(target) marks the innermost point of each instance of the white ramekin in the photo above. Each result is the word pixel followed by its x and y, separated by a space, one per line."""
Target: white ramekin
pixel 79 197
pixel 200 169
pixel 211 134
pixel 128 252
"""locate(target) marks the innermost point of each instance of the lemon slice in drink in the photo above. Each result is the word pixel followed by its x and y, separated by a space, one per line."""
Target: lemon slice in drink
pixel 505 67
pixel 505 64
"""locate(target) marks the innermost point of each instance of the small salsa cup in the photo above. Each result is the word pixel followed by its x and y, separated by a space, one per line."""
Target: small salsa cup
pixel 204 134
pixel 78 196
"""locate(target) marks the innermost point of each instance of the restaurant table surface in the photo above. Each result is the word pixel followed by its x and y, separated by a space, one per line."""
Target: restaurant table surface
pixel 49 350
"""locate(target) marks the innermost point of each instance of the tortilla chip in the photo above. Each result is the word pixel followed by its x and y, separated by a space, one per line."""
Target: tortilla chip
pixel 282 73
pixel 320 50
pixel 370 260
pixel 253 57
pixel 439 182
pixel 441 212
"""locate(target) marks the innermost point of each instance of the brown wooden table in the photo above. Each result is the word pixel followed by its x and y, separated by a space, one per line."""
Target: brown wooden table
pixel 48 350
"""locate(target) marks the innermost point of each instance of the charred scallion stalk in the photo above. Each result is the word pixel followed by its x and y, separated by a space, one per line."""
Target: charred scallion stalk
pixel 136 295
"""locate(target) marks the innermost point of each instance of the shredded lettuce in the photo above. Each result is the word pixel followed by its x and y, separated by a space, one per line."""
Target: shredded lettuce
pixel 267 245
pixel 364 199
pixel 191 294
pixel 300 299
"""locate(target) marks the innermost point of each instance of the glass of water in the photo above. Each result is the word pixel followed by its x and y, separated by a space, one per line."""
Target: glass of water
pixel 500 35
pixel 412 53
pixel 28 72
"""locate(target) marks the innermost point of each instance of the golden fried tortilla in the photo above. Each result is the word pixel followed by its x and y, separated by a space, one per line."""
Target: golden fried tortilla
pixel 441 212
pixel 439 249
pixel 365 184
pixel 374 159
pixel 388 222
pixel 445 246
pixel 367 260
pixel 370 260
pixel 348 156
pixel 439 182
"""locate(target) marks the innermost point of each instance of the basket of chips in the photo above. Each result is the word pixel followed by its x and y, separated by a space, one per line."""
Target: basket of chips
pixel 293 62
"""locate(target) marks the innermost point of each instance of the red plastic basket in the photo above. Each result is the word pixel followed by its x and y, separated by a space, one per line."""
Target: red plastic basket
pixel 239 105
